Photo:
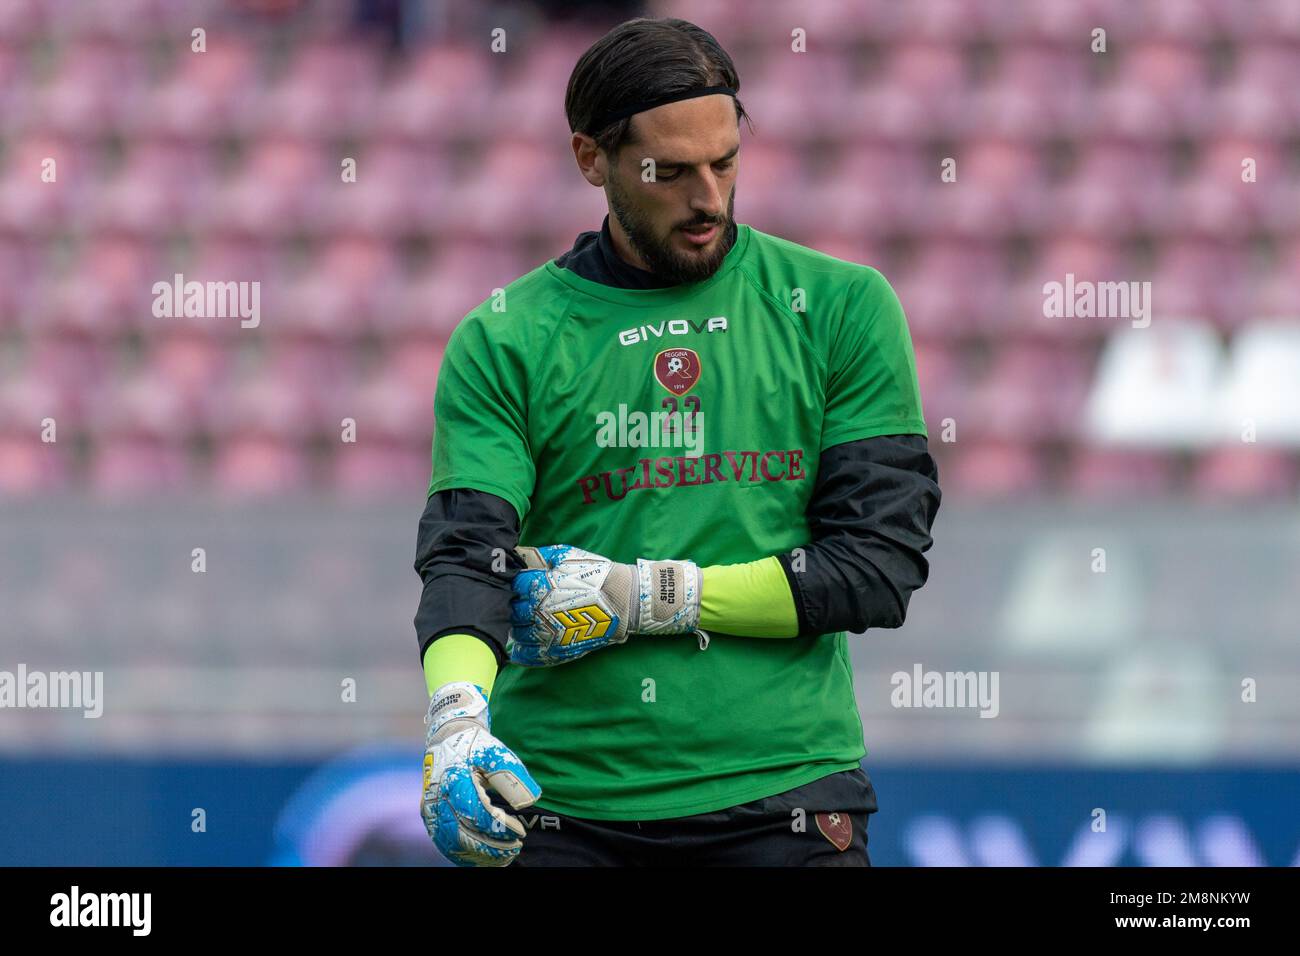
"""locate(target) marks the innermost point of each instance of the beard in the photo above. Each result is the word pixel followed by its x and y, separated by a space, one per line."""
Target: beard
pixel 658 253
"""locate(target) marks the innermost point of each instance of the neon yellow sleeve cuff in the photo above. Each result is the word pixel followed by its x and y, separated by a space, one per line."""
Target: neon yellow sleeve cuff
pixel 457 657
pixel 750 600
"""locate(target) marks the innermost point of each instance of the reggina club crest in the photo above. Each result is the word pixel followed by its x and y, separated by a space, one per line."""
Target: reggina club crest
pixel 677 370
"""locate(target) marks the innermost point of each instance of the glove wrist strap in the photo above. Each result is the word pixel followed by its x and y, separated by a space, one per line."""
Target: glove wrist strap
pixel 668 597
pixel 458 701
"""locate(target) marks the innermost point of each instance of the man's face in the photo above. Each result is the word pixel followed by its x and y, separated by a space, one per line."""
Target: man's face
pixel 679 223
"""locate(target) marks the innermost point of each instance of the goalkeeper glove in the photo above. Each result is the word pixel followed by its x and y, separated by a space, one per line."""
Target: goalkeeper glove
pixel 570 602
pixel 460 757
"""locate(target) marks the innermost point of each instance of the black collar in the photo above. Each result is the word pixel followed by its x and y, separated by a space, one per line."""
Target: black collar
pixel 593 257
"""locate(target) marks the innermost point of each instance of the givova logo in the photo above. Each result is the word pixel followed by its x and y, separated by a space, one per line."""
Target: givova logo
pixel 75 908
pixel 657 330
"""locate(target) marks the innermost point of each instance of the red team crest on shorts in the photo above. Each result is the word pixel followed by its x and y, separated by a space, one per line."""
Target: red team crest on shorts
pixel 836 827
pixel 677 370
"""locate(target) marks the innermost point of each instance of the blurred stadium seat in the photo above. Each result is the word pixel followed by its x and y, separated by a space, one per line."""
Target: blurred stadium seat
pixel 227 165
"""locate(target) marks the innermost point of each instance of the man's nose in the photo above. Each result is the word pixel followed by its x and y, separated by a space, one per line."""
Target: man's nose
pixel 708 198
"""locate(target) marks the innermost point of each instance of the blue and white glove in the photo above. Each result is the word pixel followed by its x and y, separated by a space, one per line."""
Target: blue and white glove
pixel 461 759
pixel 570 602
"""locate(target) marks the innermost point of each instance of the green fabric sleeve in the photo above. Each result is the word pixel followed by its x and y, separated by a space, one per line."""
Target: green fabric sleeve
pixel 749 600
pixel 872 387
pixel 458 657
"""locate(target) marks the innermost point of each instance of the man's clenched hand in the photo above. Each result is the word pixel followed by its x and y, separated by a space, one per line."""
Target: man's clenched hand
pixel 461 760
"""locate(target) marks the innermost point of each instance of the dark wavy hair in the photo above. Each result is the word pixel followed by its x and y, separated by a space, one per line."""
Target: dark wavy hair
pixel 640 60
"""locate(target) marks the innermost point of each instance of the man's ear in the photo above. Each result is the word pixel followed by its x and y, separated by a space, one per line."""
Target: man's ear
pixel 590 158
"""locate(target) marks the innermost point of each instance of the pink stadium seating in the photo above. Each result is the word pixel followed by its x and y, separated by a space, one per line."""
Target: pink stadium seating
pixel 226 166
pixel 30 468
pixel 441 93
pixel 1120 474
pixel 258 465
pixel 328 91
pixel 1246 471
pixel 995 470
pixel 208 95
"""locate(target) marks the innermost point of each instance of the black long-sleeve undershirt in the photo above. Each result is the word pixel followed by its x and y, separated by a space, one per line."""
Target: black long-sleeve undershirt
pixel 465 537
pixel 870 517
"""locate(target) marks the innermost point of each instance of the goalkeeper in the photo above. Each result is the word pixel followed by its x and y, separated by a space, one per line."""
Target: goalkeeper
pixel 671 469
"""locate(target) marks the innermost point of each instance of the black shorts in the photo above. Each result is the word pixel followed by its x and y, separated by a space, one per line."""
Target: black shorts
pixel 823 823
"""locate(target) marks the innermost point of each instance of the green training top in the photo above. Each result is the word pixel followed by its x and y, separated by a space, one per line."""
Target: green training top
pixel 681 423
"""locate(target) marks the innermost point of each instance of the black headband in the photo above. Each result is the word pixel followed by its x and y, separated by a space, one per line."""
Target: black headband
pixel 613 116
